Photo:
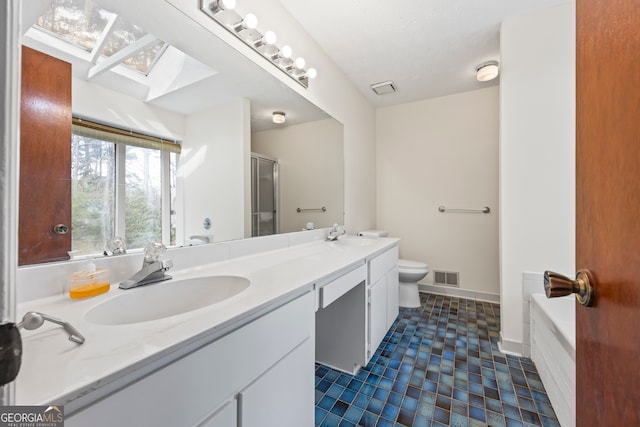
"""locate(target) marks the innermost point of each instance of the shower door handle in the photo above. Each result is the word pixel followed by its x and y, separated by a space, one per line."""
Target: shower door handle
pixel 558 285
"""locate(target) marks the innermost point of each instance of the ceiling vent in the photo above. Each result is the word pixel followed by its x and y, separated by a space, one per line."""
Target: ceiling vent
pixel 383 88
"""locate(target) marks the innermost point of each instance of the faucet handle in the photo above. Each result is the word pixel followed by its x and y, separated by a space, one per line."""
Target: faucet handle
pixel 153 251
pixel 115 246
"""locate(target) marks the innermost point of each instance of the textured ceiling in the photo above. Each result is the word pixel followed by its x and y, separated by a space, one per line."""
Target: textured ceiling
pixel 429 48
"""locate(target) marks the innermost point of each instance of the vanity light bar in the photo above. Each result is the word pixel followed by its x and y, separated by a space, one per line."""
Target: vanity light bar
pixel 244 28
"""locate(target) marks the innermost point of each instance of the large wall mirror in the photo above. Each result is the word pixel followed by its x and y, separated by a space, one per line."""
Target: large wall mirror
pixel 157 76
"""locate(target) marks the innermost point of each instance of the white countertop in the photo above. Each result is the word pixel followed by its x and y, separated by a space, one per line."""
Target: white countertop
pixel 57 371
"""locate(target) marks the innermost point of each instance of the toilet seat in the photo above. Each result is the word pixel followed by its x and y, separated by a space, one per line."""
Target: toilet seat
pixel 409 265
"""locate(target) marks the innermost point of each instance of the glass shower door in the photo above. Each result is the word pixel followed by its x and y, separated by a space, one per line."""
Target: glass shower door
pixel 263 196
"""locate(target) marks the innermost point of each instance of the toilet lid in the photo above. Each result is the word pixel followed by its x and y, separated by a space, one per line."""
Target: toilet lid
pixel 407 264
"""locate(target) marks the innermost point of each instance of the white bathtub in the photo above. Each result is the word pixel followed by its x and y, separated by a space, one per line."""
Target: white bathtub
pixel 553 350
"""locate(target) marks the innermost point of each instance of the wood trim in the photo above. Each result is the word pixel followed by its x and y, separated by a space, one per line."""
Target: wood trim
pixel 45 158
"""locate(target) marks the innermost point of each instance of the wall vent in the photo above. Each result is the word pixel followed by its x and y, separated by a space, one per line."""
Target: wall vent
pixel 446 278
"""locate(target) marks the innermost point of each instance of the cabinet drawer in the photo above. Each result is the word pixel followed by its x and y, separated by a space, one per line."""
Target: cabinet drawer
pixel 335 289
pixel 384 262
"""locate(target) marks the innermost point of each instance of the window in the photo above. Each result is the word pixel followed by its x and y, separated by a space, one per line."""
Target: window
pixel 123 184
pixel 78 22
pixel 125 34
pixel 85 24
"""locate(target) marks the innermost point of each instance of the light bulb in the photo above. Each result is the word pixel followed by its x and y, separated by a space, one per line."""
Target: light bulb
pixel 250 21
pixel 269 37
pixel 286 52
pixel 312 73
pixel 300 62
pixel 219 5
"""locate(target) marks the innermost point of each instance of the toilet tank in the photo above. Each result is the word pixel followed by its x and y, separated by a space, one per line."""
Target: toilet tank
pixel 374 233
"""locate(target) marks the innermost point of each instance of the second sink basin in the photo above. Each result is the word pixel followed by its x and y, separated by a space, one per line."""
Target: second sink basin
pixel 165 299
pixel 354 241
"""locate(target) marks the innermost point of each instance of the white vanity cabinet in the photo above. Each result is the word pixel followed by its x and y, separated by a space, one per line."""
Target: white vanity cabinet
pixel 355 311
pixel 259 374
pixel 382 297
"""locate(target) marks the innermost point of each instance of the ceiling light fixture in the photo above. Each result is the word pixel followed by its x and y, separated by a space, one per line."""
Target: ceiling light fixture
pixel 279 117
pixel 487 71
pixel 223 13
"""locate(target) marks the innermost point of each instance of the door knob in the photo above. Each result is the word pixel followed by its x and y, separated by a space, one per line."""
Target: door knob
pixel 557 285
pixel 60 229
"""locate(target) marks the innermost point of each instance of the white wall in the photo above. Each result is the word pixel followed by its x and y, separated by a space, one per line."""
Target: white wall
pixel 215 171
pixel 442 151
pixel 117 109
pixel 311 171
pixel 537 155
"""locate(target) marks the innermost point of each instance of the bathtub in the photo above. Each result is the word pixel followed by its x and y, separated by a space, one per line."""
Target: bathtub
pixel 553 350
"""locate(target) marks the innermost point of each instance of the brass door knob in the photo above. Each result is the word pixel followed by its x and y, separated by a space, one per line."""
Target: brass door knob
pixel 557 285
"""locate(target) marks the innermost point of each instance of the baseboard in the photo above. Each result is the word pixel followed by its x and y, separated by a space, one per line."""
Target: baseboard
pixel 514 348
pixel 459 293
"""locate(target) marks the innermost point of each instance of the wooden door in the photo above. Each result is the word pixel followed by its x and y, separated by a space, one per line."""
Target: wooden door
pixel 608 210
pixel 45 158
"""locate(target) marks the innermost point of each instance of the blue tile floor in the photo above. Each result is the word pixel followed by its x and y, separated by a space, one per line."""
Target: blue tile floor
pixel 438 365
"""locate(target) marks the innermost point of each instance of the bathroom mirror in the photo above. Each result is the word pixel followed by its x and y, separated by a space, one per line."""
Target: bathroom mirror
pixel 187 84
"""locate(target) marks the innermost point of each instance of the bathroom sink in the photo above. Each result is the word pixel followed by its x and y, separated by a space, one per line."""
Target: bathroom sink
pixel 354 241
pixel 160 300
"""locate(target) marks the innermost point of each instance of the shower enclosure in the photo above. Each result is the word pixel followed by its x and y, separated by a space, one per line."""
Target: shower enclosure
pixel 264 195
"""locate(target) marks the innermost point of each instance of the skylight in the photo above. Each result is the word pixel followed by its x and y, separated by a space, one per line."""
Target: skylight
pixel 125 34
pixel 84 24
pixel 78 22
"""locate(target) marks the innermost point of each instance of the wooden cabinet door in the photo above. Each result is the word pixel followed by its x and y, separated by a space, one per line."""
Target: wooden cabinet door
pixel 45 158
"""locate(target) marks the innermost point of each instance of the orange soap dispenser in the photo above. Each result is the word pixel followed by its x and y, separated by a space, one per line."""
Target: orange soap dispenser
pixel 89 282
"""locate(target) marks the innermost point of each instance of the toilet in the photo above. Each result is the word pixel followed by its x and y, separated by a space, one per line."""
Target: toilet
pixel 409 273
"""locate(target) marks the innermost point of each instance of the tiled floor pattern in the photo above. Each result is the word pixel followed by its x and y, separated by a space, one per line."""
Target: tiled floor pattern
pixel 439 365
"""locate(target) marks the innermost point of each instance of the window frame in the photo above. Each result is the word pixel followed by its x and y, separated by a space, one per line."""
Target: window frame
pixel 119 136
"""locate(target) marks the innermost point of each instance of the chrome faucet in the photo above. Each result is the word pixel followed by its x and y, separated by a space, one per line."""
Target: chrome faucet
pixel 335 232
pixel 153 268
